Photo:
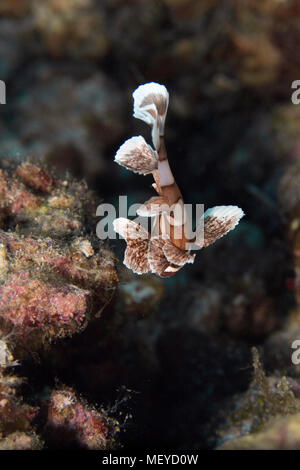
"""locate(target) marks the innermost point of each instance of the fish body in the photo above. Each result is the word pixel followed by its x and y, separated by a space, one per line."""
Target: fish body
pixel 165 251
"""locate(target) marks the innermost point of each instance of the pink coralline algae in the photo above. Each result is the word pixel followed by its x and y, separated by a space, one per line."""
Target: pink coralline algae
pixel 15 198
pixel 35 177
pixel 74 420
pixel 266 416
pixel 54 277
pixel 31 197
pixel 28 303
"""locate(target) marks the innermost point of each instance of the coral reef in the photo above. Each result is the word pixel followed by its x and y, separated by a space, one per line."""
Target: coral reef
pixel 174 354
pixel 260 418
pixel 50 287
pixel 53 283
pixel 76 424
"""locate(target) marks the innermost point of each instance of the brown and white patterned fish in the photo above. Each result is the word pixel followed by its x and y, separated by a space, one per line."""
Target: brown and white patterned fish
pixel 167 248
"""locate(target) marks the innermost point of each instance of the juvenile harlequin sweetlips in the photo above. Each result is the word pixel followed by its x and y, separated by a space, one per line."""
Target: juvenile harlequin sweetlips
pixel 168 248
